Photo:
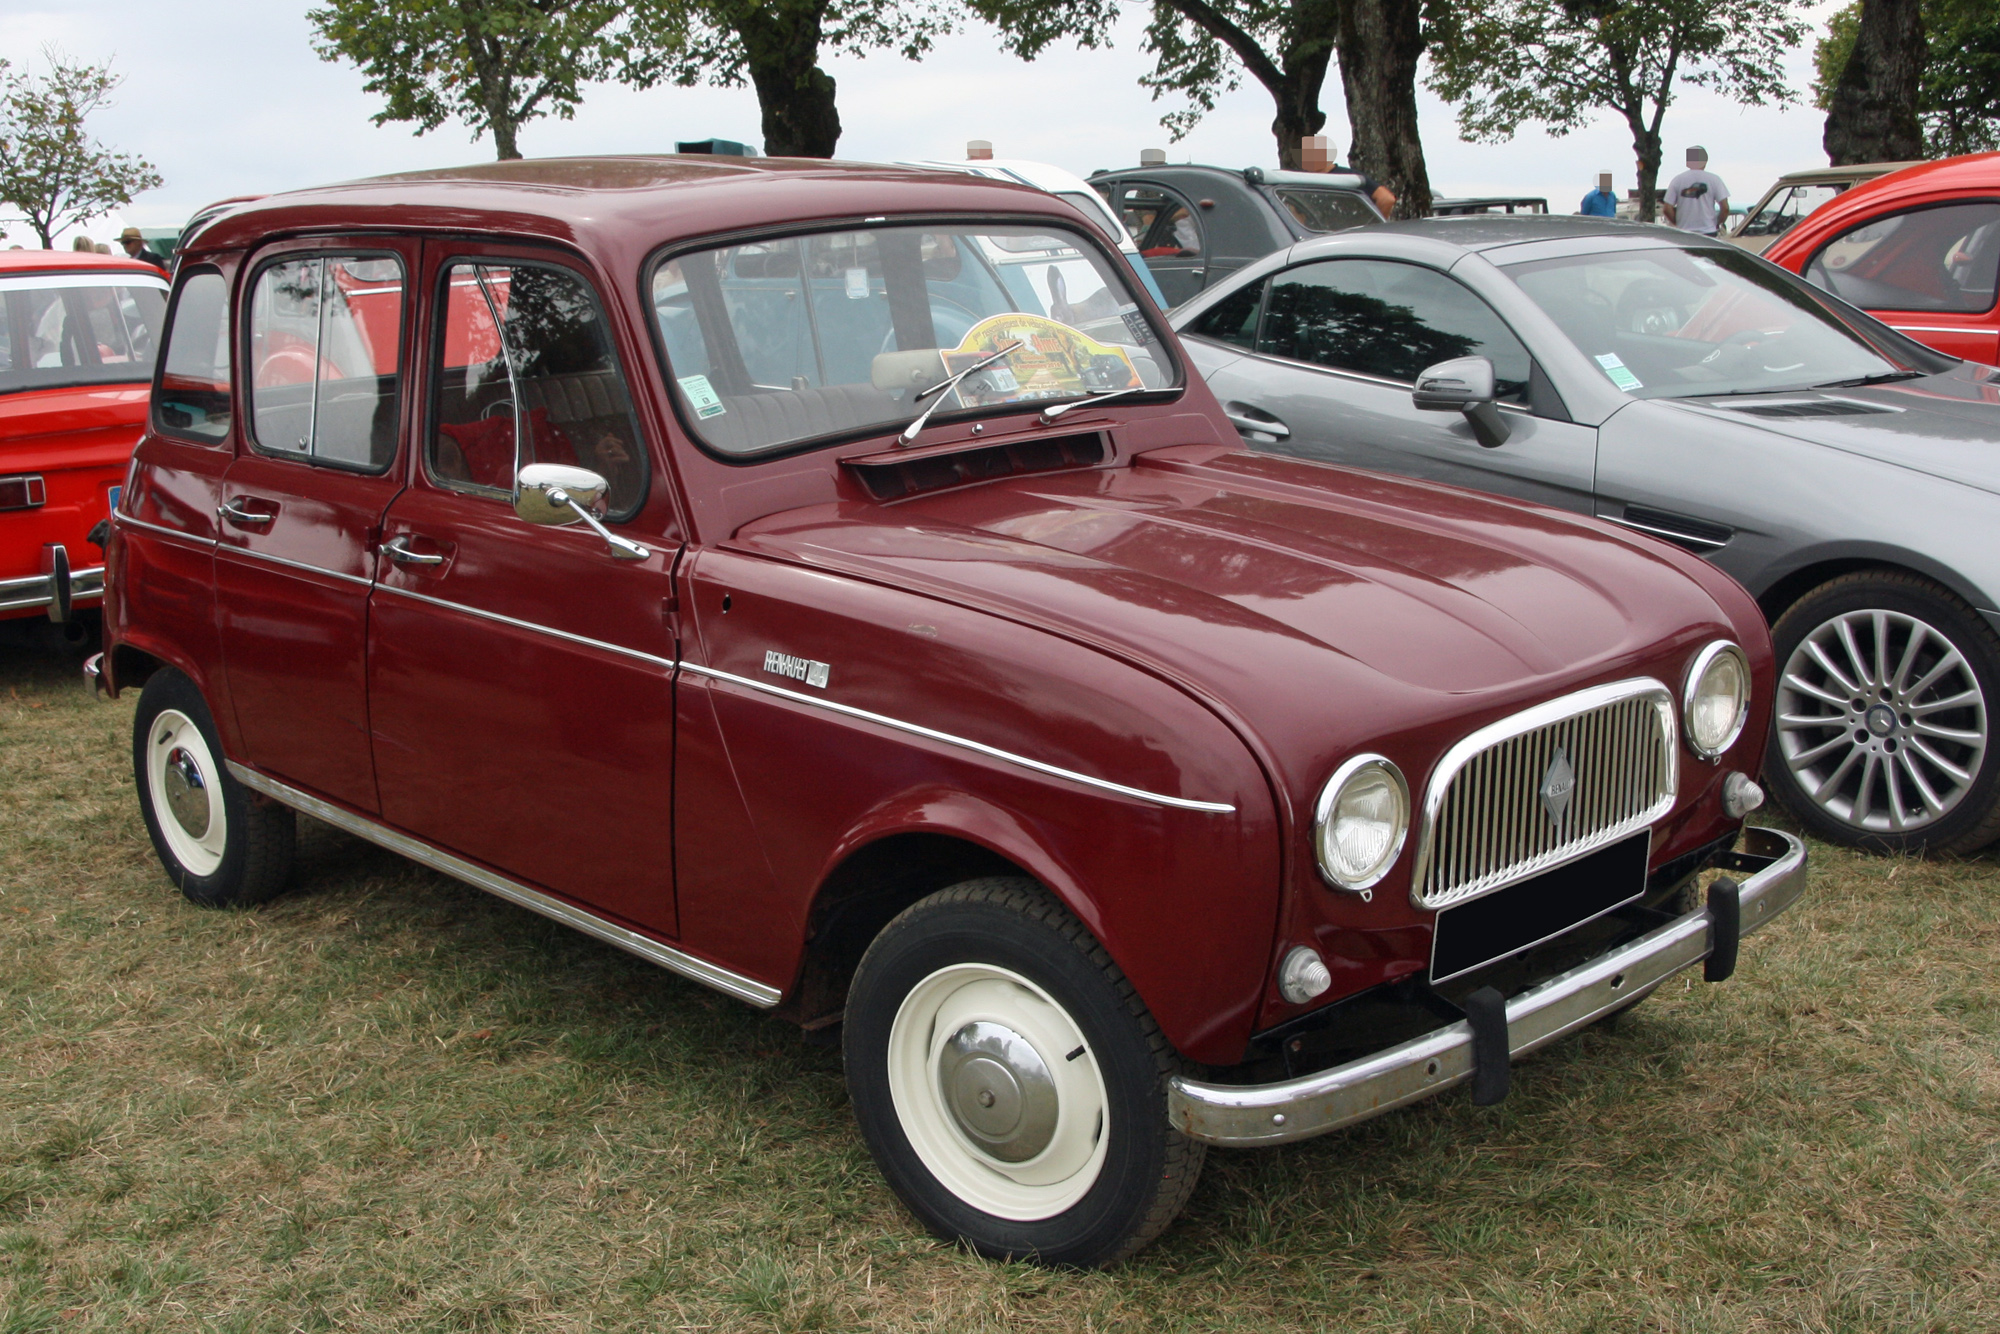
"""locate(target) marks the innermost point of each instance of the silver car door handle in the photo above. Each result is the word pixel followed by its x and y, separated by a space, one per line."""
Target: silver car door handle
pixel 399 551
pixel 1265 424
pixel 232 511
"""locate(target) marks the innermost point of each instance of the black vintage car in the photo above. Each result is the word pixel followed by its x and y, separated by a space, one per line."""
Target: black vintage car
pixel 1197 225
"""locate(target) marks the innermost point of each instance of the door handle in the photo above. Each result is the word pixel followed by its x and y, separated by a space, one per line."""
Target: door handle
pixel 398 548
pixel 1246 418
pixel 232 510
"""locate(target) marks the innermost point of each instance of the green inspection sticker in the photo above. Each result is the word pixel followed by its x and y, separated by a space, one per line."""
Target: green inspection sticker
pixel 702 396
pixel 1614 368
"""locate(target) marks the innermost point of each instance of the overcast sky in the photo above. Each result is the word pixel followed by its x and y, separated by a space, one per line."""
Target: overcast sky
pixel 226 97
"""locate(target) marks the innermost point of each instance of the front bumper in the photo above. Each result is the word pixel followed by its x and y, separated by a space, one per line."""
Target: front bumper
pixel 1250 1116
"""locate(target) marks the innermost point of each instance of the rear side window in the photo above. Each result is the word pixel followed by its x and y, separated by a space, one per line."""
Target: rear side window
pixel 193 397
pixel 1327 210
pixel 325 350
pixel 1232 319
pixel 527 373
pixel 1942 259
pixel 58 330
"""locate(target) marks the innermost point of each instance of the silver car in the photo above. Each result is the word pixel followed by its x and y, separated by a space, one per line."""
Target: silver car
pixel 1676 385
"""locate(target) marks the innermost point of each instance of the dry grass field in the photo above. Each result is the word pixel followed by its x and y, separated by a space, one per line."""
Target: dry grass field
pixel 387 1101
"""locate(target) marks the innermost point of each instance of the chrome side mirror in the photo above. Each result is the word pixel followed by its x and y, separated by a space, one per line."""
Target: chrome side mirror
pixel 1464 385
pixel 552 494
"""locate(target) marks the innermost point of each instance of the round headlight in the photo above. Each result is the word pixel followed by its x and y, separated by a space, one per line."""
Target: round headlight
pixel 1360 821
pixel 1716 702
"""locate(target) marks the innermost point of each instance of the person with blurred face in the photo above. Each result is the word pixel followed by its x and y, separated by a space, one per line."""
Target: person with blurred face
pixel 1601 202
pixel 1697 200
pixel 1315 155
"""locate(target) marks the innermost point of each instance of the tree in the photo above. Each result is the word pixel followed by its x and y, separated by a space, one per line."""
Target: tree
pixel 1872 109
pixel 51 170
pixel 1560 62
pixel 494 64
pixel 1958 94
pixel 776 46
pixel 1381 42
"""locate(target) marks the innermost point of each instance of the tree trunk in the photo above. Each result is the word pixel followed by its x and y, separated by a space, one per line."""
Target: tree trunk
pixel 781 48
pixel 504 130
pixel 1298 108
pixel 1646 153
pixel 1873 113
pixel 1381 42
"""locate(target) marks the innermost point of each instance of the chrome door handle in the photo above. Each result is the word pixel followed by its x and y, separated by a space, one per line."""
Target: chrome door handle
pixel 399 551
pixel 1240 418
pixel 229 509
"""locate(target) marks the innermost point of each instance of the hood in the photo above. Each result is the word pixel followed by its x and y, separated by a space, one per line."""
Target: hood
pixel 1946 425
pixel 1276 587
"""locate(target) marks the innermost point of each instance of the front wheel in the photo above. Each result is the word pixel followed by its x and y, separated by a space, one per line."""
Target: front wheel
pixel 1883 734
pixel 1009 1081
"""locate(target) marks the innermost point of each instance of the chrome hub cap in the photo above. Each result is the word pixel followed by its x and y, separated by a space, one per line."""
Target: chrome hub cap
pixel 187 792
pixel 180 781
pixel 1881 721
pixel 999 1093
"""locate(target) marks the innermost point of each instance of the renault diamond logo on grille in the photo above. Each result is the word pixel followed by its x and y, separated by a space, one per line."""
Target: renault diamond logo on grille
pixel 1558 786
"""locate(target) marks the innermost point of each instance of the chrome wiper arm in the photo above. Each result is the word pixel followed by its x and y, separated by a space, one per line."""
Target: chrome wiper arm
pixel 1050 414
pixel 944 388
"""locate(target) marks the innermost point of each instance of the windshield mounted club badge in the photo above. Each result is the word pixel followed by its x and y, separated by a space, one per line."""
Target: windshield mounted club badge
pixel 1558 786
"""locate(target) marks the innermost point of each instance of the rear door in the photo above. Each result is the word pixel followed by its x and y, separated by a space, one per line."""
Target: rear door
pixel 1169 231
pixel 1930 272
pixel 323 351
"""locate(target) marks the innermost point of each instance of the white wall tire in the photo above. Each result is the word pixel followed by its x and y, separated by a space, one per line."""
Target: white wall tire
pixel 184 787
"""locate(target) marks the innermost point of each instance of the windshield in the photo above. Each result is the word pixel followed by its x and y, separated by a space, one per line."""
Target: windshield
pixel 67 329
pixel 783 341
pixel 1671 323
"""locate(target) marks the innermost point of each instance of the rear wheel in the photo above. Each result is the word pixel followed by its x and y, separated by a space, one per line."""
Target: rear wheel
pixel 1883 734
pixel 219 845
pixel 1010 1082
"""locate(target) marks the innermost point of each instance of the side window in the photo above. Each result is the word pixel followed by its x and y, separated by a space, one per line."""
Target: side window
pixel 325 348
pixel 193 397
pixel 526 373
pixel 1232 319
pixel 1379 317
pixel 1943 259
pixel 1161 222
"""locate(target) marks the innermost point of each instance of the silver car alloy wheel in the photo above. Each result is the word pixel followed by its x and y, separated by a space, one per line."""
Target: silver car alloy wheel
pixel 1881 721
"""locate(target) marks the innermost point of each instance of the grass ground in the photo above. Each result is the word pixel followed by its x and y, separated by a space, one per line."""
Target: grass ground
pixel 387 1101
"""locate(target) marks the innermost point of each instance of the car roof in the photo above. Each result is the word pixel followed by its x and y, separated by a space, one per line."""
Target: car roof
pixel 1339 180
pixel 70 261
pixel 1860 171
pixel 630 202
pixel 1487 231
pixel 1973 171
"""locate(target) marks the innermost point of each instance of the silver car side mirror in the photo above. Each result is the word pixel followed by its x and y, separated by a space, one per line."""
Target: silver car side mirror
pixel 1466 386
pixel 553 494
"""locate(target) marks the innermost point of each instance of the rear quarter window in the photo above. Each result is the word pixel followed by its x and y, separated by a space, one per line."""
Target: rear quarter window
pixel 192 400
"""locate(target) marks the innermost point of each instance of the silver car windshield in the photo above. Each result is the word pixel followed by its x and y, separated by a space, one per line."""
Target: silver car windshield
pixel 784 341
pixel 1663 322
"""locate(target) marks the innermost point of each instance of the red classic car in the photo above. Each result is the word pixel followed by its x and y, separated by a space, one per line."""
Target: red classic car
pixel 828 583
pixel 77 333
pixel 1919 249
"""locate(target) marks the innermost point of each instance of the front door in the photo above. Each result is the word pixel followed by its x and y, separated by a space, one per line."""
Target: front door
pixel 316 467
pixel 1930 272
pixel 1334 349
pixel 521 677
pixel 1169 232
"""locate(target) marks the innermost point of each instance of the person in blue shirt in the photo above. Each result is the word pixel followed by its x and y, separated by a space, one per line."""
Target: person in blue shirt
pixel 1601 202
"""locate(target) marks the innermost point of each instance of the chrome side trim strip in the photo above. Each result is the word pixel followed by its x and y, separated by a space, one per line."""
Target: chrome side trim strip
pixel 667 663
pixel 964 743
pixel 1678 539
pixel 687 965
pixel 1253 1115
pixel 126 520
pixel 1935 328
pixel 235 550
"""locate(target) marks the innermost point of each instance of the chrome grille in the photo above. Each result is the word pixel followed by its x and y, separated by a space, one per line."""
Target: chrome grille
pixel 1486 823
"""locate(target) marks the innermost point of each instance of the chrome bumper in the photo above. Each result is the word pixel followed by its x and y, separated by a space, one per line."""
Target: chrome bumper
pixel 40 590
pixel 1249 1116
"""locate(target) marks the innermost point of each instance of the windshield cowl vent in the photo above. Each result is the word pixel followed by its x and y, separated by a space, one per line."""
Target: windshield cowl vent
pixel 900 473
pixel 1818 407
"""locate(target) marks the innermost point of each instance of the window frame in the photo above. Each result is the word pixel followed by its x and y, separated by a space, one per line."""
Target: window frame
pixel 182 281
pixel 1927 206
pixel 433 370
pixel 316 248
pixel 668 252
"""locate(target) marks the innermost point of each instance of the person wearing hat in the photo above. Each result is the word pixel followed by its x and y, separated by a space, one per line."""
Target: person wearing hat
pixel 135 246
pixel 1697 200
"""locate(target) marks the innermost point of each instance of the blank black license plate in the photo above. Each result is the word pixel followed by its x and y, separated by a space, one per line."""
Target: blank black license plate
pixel 1524 915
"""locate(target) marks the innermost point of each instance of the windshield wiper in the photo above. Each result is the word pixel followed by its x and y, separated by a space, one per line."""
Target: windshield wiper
pixel 1050 414
pixel 1880 377
pixel 944 389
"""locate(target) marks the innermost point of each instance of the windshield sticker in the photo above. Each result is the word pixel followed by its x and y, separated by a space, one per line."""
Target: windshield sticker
pixel 857 284
pixel 1135 324
pixel 702 396
pixel 1053 361
pixel 1615 369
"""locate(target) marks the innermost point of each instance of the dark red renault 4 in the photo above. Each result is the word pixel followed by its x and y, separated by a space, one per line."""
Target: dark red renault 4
pixel 828 583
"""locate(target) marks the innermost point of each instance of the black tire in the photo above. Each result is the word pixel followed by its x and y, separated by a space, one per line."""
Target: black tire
pixel 247 857
pixel 1901 790
pixel 1145 1169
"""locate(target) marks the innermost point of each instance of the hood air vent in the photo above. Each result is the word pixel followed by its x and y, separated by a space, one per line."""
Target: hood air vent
pixel 907 472
pixel 1818 407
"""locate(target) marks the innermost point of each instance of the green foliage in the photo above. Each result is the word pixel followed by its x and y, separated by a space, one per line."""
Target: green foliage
pixel 50 169
pixel 1959 98
pixel 493 64
pixel 720 41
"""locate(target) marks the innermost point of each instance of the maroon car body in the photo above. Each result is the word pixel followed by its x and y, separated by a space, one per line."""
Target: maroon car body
pixel 1113 654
